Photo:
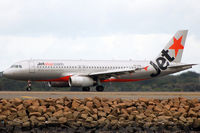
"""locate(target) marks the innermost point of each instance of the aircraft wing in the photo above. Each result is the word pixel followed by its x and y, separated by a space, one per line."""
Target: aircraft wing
pixel 182 65
pixel 113 73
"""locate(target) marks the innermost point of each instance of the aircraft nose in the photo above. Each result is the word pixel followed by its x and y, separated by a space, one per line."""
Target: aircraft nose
pixel 7 74
pixel 1 74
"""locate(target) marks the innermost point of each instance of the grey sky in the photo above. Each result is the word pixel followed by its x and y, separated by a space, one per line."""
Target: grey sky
pixel 101 29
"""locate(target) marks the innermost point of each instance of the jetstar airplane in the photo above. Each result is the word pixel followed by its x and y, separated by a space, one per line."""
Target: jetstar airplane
pixel 88 73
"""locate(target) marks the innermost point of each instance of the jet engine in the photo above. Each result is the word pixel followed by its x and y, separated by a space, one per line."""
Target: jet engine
pixel 81 81
pixel 58 84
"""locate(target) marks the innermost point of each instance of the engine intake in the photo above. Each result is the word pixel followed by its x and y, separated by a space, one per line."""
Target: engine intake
pixel 58 84
pixel 81 81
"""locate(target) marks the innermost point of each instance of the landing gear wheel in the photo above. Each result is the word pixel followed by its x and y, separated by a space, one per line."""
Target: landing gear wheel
pixel 28 88
pixel 100 88
pixel 86 88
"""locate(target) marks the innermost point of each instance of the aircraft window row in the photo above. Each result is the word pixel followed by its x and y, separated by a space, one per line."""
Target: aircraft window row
pixel 86 67
pixel 16 66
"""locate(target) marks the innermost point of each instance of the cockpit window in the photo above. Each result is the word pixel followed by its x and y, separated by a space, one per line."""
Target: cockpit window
pixel 16 66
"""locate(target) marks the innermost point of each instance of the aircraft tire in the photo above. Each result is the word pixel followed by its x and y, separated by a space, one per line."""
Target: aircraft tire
pixel 28 89
pixel 99 88
pixel 86 88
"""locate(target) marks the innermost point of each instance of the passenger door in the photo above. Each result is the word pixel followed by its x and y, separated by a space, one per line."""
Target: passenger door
pixel 31 66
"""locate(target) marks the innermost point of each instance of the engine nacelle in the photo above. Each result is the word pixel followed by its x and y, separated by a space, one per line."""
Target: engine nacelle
pixel 58 84
pixel 81 81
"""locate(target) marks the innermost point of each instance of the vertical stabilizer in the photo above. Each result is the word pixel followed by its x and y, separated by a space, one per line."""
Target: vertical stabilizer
pixel 174 48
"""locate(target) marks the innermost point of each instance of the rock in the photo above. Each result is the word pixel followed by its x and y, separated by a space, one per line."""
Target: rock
pixel 75 104
pixel 94 116
pixel 143 99
pixel 62 120
pixel 13 110
pixel 60 101
pixel 68 115
pixel 21 113
pixel 97 103
pixel 51 109
pixel 49 100
pixel 2 117
pixel 107 110
pixel 36 102
pixel 35 114
pixel 121 105
pixel 176 114
pixel 111 117
pixel 42 109
pixel 140 116
pixel 164 118
pixel 196 123
pixel 58 114
pixel 173 110
pixel 195 100
pixel 89 105
pixel 124 112
pixel 33 108
pixel 76 114
pixel 66 109
pixel 182 119
pixel 6 112
pixel 84 116
pixel 59 107
pixel 41 118
pixel 26 124
pixel 27 103
pixel 191 113
pixel 12 116
pixel 102 114
pixel 95 111
pixel 181 110
pixel 89 119
pixel 167 106
pixel 88 99
pixel 17 101
pixel 102 120
pixel 157 108
pixel 20 107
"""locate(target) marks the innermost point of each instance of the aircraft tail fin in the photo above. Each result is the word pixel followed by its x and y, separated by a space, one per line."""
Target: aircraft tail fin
pixel 174 48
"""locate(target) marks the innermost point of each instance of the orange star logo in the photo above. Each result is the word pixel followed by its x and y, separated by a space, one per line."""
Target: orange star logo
pixel 177 45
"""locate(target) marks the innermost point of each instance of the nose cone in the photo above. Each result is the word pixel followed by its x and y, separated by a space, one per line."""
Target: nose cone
pixel 7 74
pixel 1 74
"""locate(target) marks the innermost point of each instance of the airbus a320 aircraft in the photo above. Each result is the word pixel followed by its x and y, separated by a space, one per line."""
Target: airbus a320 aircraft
pixel 88 73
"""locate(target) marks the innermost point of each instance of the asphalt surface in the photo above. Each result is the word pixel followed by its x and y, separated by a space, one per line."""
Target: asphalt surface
pixel 123 95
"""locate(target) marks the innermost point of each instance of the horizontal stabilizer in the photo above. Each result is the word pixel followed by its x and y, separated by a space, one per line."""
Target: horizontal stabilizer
pixel 184 65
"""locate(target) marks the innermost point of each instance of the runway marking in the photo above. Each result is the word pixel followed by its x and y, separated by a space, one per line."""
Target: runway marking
pixel 28 97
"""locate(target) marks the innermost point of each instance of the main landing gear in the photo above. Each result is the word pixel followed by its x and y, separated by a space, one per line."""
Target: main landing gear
pixel 86 88
pixel 28 88
pixel 98 88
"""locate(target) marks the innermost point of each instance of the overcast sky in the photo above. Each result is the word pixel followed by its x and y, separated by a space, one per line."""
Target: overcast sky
pixel 96 29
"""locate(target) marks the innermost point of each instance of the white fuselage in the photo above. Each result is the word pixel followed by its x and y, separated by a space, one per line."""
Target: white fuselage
pixel 57 70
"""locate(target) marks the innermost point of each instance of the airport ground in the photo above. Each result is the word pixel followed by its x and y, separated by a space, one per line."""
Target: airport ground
pixel 81 95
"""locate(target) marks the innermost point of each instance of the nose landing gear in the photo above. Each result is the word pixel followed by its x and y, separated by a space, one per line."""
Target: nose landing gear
pixel 28 88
